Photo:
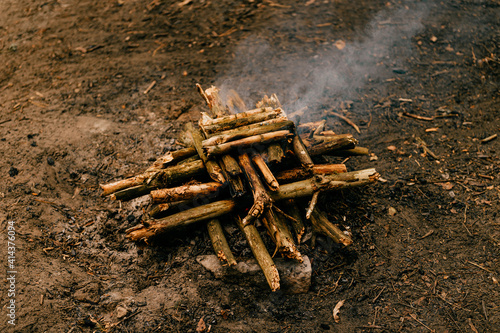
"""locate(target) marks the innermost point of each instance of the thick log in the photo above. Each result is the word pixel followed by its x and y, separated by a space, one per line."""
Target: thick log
pixel 318 169
pixel 321 223
pixel 155 227
pixel 260 196
pixel 246 132
pixel 219 242
pixel 185 192
pixel 261 255
pixel 261 139
pixel 266 173
pixel 281 235
pixel 142 184
pixel 213 168
pixel 240 119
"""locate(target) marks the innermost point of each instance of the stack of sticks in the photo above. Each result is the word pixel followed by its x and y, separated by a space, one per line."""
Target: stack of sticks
pixel 244 166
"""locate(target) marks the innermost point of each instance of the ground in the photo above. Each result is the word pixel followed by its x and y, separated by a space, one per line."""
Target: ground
pixel 76 111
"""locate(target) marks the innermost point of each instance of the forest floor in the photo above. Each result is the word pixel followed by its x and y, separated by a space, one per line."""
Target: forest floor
pixel 74 114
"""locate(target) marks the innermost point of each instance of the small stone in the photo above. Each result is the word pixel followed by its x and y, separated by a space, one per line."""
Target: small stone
pixel 121 311
pixel 50 161
pixel 391 211
pixel 295 277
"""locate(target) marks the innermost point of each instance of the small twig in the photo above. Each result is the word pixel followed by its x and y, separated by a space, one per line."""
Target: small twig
pixel 421 323
pixel 312 204
pixel 344 118
pixel 479 266
pixel 484 310
pixel 285 214
pixel 465 220
pixel 423 145
pixel 149 87
pixel 415 116
pixel 378 295
pixel 488 139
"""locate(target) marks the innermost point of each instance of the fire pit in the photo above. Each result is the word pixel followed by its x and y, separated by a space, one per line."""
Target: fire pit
pixel 245 166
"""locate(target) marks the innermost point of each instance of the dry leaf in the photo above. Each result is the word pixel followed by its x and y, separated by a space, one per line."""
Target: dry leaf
pixel 336 311
pixel 391 148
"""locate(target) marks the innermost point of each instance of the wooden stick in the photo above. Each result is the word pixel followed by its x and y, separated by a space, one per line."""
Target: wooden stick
pixel 261 139
pixel 151 228
pixel 236 186
pixel 239 119
pixel 260 253
pixel 161 210
pixel 247 128
pixel 141 184
pixel 245 133
pixel 356 151
pixel 266 173
pixel 275 153
pixel 339 181
pixel 281 235
pixel 230 164
pixel 213 169
pixel 337 142
pixel 172 157
pixel 219 242
pixel 214 102
pixel 261 198
pixel 318 169
pixel 344 118
pixel 301 153
pixel 312 204
pixel 321 223
pixel 289 191
pixel 185 192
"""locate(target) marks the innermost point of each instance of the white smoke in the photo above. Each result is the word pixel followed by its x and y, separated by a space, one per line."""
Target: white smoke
pixel 333 71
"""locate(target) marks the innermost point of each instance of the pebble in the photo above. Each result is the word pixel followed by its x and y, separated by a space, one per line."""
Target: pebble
pixel 50 161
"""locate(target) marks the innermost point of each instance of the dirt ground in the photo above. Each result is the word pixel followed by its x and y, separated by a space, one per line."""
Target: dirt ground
pixel 74 114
